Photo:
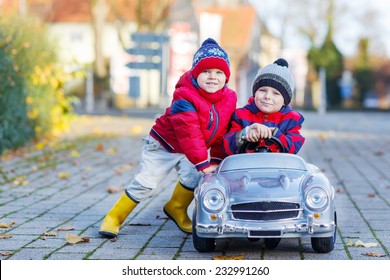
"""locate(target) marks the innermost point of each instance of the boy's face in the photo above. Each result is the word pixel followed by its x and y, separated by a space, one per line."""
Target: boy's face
pixel 211 80
pixel 268 100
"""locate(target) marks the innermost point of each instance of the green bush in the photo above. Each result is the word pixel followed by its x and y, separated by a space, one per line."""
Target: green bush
pixel 32 97
pixel 15 127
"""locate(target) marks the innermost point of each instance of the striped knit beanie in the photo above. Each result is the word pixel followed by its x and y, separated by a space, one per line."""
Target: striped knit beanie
pixel 278 76
pixel 210 55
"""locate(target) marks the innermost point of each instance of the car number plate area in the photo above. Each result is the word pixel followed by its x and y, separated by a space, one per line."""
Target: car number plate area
pixel 264 233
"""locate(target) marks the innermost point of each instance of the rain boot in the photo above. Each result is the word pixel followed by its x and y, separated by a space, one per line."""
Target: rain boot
pixel 116 216
pixel 176 208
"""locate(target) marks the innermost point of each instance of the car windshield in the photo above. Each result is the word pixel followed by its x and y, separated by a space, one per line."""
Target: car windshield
pixel 266 181
pixel 262 161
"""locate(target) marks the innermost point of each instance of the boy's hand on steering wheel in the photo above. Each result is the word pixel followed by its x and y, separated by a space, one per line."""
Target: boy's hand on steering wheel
pixel 257 131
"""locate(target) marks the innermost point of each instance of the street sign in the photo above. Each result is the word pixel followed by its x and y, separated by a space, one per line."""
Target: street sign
pixel 148 47
pixel 144 65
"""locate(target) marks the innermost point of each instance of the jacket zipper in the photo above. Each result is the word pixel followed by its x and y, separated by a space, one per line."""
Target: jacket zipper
pixel 211 120
pixel 216 122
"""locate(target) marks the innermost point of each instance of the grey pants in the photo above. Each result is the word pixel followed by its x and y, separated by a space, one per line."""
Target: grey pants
pixel 156 163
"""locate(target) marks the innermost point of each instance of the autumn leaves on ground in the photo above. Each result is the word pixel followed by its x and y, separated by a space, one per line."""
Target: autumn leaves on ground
pixel 87 135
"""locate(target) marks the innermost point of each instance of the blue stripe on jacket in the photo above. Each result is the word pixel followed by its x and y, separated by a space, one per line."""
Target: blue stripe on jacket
pixel 180 106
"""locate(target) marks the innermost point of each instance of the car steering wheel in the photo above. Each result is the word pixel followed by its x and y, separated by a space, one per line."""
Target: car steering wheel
pixel 268 145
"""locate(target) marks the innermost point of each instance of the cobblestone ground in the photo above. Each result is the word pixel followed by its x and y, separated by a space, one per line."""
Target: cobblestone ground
pixel 66 189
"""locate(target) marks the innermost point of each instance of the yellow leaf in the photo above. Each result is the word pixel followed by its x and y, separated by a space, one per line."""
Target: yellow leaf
pixel 6 254
pixel 21 181
pixel 4 225
pixel 239 257
pixel 63 175
pixel 112 151
pixel 73 239
pixel 65 228
pixel 40 146
pixel 360 243
pixel 75 154
pixel 137 129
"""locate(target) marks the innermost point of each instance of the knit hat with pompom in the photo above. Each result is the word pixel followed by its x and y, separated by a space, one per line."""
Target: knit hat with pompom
pixel 210 56
pixel 278 76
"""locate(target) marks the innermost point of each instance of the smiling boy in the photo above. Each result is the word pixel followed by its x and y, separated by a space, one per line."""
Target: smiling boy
pixel 268 112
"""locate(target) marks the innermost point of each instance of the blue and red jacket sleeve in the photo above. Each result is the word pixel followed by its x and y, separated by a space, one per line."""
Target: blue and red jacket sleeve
pixel 229 140
pixel 289 132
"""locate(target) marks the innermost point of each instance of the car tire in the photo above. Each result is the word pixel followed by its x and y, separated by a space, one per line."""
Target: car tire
pixel 271 243
pixel 325 244
pixel 201 244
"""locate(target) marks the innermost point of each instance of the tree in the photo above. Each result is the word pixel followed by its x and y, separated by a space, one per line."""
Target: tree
pixel 329 58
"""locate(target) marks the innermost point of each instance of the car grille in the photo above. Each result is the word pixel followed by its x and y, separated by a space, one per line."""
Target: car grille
pixel 265 211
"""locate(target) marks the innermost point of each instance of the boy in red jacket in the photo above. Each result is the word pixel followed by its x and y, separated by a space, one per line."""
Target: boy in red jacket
pixel 188 138
pixel 268 112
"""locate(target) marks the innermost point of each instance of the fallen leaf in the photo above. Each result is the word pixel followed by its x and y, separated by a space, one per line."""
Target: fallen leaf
pixel 218 258
pixel 379 153
pixel 112 151
pixel 158 217
pixel 376 255
pixel 99 147
pixel 63 175
pixel 21 181
pixel 6 254
pixel 360 243
pixel 48 233
pixel 324 135
pixel 4 225
pixel 65 228
pixel 73 239
pixel 113 190
pixel 123 168
pixel 371 195
pixel 88 168
pixel 75 154
pixel 137 129
pixel 5 236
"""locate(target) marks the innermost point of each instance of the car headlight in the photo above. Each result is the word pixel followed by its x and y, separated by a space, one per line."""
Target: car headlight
pixel 317 199
pixel 214 200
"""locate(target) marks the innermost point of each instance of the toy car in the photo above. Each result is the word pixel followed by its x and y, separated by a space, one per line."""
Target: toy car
pixel 265 193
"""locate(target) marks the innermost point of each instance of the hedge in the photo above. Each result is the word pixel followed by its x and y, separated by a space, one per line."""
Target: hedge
pixel 32 101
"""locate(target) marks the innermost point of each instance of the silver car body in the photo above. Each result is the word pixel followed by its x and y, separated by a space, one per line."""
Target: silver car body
pixel 264 195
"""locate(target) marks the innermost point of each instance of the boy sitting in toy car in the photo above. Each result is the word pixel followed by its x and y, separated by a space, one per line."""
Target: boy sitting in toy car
pixel 268 113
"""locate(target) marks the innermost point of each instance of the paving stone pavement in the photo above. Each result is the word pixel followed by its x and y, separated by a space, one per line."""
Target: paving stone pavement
pixel 47 194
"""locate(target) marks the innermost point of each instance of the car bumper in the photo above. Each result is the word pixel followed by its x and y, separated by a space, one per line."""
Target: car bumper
pixel 267 229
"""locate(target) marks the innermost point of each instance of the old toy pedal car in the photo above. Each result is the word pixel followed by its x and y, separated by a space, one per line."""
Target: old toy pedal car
pixel 265 194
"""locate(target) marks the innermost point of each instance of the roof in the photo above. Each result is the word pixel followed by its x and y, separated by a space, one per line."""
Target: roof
pixel 71 10
pixel 237 26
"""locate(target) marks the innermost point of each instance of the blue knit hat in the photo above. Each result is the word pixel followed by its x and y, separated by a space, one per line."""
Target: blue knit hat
pixel 210 55
pixel 278 76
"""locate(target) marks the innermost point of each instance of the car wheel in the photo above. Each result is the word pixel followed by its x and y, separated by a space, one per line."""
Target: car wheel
pixel 271 243
pixel 201 244
pixel 325 244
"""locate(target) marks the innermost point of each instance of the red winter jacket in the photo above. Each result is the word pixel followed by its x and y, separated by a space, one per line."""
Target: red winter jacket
pixel 195 122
